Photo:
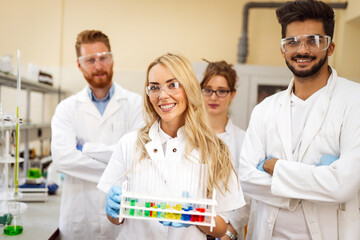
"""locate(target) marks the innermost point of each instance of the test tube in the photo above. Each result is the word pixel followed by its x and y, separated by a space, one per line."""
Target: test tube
pixel 147 205
pixel 162 206
pixel 132 203
pixel 154 213
pixel 201 218
pixel 185 207
pixel 139 212
pixel 178 208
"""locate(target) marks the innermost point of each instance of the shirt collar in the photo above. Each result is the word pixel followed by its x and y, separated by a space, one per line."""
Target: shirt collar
pixel 109 94
pixel 156 130
pixel 163 136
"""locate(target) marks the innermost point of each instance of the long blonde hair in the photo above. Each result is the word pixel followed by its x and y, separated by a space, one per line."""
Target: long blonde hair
pixel 199 134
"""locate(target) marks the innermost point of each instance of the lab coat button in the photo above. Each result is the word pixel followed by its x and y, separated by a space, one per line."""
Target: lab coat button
pixel 174 150
pixel 155 150
pixel 270 220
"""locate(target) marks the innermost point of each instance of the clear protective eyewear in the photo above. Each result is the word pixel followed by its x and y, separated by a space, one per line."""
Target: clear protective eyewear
pixel 313 43
pixel 171 87
pixel 221 93
pixel 105 58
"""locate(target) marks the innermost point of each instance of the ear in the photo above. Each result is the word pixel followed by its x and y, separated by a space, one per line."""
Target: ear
pixel 78 64
pixel 232 95
pixel 283 54
pixel 331 48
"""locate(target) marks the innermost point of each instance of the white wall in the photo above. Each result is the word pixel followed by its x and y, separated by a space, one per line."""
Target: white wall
pixel 141 30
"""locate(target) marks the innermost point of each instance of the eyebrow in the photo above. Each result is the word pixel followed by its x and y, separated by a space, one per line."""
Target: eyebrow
pixel 219 88
pixel 304 34
pixel 167 81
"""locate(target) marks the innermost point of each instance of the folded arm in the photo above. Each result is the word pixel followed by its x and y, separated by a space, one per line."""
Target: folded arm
pixel 67 158
pixel 257 184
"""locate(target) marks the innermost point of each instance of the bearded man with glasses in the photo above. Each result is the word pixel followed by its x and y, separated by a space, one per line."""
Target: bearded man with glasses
pixel 300 160
pixel 85 128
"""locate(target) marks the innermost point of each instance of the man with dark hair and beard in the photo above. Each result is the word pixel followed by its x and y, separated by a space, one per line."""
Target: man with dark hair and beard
pixel 300 160
pixel 85 128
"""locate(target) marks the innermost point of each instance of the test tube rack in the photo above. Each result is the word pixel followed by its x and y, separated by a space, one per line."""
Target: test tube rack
pixel 197 211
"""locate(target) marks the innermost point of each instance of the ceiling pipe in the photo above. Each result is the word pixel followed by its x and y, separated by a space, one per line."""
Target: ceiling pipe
pixel 243 41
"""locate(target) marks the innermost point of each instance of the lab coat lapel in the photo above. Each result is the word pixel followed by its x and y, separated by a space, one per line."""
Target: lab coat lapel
pixel 284 123
pixel 112 107
pixel 317 116
pixel 114 103
pixel 89 106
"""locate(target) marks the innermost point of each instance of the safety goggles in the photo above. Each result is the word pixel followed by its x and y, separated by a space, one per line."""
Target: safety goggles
pixel 312 43
pixel 105 58
pixel 172 87
pixel 221 93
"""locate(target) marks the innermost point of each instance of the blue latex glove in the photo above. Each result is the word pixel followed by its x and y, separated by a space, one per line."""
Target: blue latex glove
pixel 52 188
pixel 113 200
pixel 174 224
pixel 79 147
pixel 261 165
pixel 327 159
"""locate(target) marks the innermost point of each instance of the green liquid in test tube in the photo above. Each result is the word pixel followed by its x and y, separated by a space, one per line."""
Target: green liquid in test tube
pixel 148 205
pixel 132 203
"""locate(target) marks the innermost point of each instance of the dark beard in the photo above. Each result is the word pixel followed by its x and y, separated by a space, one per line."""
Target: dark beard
pixel 303 74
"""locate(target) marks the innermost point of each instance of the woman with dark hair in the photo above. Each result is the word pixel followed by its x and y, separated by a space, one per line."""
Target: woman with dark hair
pixel 219 89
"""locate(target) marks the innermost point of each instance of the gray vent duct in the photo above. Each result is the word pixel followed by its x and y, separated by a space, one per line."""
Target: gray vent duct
pixel 243 41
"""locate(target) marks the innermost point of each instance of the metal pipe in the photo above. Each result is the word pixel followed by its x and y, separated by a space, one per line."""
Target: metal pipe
pixel 243 41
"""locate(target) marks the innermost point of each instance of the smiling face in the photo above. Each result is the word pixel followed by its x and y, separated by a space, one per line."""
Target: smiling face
pixel 170 108
pixel 303 62
pixel 214 104
pixel 99 75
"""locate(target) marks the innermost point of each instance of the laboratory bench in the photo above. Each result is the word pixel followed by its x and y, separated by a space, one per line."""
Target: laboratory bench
pixel 40 220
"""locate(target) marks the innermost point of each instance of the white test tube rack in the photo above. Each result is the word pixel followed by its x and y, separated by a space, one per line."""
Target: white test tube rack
pixel 208 204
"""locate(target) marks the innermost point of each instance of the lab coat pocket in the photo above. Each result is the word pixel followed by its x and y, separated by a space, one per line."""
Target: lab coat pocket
pixel 349 221
pixel 329 137
pixel 325 142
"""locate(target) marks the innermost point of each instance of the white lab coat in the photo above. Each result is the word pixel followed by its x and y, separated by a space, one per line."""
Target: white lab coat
pixel 77 120
pixel 121 161
pixel 233 137
pixel 328 193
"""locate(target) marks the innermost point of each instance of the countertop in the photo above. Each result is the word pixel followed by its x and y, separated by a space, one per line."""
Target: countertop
pixel 40 220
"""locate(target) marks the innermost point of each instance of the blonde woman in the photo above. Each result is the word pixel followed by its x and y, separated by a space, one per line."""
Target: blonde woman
pixel 219 89
pixel 176 129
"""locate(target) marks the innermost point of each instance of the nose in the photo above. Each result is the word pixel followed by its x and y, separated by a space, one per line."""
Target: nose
pixel 303 48
pixel 213 95
pixel 98 64
pixel 163 94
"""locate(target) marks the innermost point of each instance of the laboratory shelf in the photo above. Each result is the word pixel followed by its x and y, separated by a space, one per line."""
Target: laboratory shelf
pixel 29 131
pixel 10 80
pixel 34 131
pixel 27 126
